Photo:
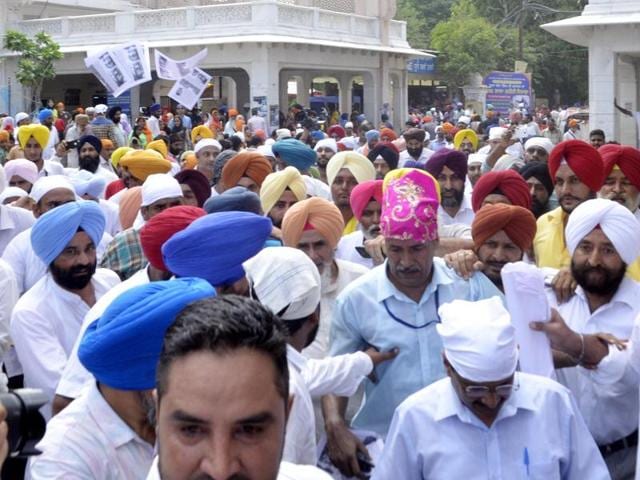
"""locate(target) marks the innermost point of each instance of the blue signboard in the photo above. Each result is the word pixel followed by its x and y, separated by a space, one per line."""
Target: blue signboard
pixel 123 100
pixel 507 90
pixel 422 66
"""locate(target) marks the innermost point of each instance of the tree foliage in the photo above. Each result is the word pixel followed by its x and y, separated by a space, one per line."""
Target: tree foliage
pixel 36 63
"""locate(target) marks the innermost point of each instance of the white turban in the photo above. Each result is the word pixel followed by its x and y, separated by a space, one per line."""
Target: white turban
pixel 266 150
pixel 3 179
pixel 619 225
pixel 45 184
pixel 329 143
pixel 495 133
pixel 476 158
pixel 285 277
pixel 206 142
pixel 86 183
pixel 542 142
pixel 21 116
pixel 283 133
pixel 478 339
pixel 11 192
pixel 464 119
pixel 350 143
pixel 158 186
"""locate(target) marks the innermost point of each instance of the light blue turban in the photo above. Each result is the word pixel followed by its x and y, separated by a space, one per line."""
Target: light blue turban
pixel 86 183
pixel 121 348
pixel 372 135
pixel 214 246
pixel 295 153
pixel 53 231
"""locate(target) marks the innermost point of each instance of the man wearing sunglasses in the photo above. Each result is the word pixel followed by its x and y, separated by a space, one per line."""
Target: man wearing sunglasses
pixel 485 420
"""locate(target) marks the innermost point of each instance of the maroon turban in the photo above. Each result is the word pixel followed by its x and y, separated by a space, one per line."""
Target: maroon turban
pixel 446 157
pixel 198 183
pixel 415 134
pixel 162 227
pixel 507 182
pixel 518 223
pixel 582 158
pixel 338 131
pixel 625 157
pixel 362 194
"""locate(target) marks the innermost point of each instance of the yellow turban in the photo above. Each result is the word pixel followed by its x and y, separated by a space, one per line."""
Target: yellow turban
pixel 39 132
pixel 201 131
pixel 158 146
pixel 188 160
pixel 142 163
pixel 312 214
pixel 466 134
pixel 118 153
pixel 276 183
pixel 401 172
pixel 360 166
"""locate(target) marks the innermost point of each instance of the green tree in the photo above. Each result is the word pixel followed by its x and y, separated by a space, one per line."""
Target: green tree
pixel 421 17
pixel 36 63
pixel 467 42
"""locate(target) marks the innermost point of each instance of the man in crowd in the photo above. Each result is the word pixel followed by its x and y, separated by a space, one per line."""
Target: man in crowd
pixel 396 306
pixel 246 169
pixel 315 226
pixel 385 157
pixel 573 131
pixel 89 149
pixel 21 173
pixel 325 149
pixel 207 150
pixel 153 122
pixel 45 117
pixel 537 149
pixel 137 165
pixel 597 138
pixel 13 220
pixel 485 419
pixel 552 132
pixel 80 128
pixel 33 140
pixel 474 167
pixel 280 191
pixel 115 114
pixel 503 186
pixel 416 151
pixel 536 174
pixel 46 320
pixel 466 141
pixel 102 127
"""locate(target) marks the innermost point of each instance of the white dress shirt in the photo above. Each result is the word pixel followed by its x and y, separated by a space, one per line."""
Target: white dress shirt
pixel 404 157
pixel 51 167
pixel 154 125
pixel 538 434
pixel 27 266
pixel 8 299
pixel 347 249
pixel 112 217
pixel 13 220
pixel 89 440
pixel 45 325
pixel 464 216
pixel 347 272
pixel 74 376
pixel 610 414
pixel 339 375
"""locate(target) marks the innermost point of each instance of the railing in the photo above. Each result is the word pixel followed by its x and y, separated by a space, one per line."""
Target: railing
pixel 254 18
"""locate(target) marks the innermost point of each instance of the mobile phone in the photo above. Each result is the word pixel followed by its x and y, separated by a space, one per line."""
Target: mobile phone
pixel 71 144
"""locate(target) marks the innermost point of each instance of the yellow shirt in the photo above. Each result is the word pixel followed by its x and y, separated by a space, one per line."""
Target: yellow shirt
pixel 350 227
pixel 551 249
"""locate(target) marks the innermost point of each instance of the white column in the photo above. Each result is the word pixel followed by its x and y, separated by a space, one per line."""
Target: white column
pixel 346 92
pixel 304 85
pixel 370 91
pixel 264 78
pixel 602 87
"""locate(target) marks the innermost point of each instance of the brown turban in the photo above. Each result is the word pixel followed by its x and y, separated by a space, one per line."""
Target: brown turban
pixel 517 222
pixel 312 214
pixel 415 134
pixel 245 164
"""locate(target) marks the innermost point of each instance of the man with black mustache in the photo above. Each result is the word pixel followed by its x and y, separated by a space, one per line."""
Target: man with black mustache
pixel 89 148
pixel 603 237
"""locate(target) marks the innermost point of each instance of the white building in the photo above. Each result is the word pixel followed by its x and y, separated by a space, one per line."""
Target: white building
pixel 255 48
pixel 611 30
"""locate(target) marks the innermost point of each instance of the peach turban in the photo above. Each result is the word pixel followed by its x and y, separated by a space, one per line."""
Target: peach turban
pixel 245 164
pixel 390 134
pixel 4 135
pixel 106 143
pixel 507 182
pixel 359 165
pixel 466 134
pixel 276 183
pixel 362 194
pixel 158 146
pixel 312 214
pixel 201 131
pixel 517 222
pixel 39 132
pixel 625 157
pixel 582 158
pixel 129 206
pixel 142 163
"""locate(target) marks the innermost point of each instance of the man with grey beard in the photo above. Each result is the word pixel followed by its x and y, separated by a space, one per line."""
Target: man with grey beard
pixel 622 176
pixel 315 226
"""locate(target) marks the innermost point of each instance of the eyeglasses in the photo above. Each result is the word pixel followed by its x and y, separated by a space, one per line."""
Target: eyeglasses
pixel 480 391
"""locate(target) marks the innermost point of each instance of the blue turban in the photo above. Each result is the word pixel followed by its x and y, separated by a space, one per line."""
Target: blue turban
pixel 317 135
pixel 213 247
pixel 53 231
pixel 295 153
pixel 44 114
pixel 155 107
pixel 86 183
pixel 91 140
pixel 236 199
pixel 121 348
pixel 372 135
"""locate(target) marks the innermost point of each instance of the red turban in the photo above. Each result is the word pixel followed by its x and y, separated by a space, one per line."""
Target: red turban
pixel 363 193
pixel 582 158
pixel 387 132
pixel 625 157
pixel 245 164
pixel 337 130
pixel 518 223
pixel 508 182
pixel 162 227
pixel 314 213
pixel 446 157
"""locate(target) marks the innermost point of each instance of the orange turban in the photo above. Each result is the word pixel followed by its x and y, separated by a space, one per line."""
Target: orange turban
pixel 158 146
pixel 142 163
pixel 190 160
pixel 233 112
pixel 129 206
pixel 387 132
pixel 447 127
pixel 507 182
pixel 518 223
pixel 200 131
pixel 106 143
pixel 39 132
pixel 4 135
pixel 582 158
pixel 245 164
pixel 314 213
pixel 624 157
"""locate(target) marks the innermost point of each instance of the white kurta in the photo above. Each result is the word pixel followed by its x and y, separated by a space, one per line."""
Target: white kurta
pixel 538 434
pixel 89 440
pixel 347 249
pixel 13 221
pixel 464 216
pixel 8 299
pixel 44 326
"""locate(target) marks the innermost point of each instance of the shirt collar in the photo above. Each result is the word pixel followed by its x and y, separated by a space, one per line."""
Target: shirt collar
pixel 556 216
pixel 387 289
pixel 627 293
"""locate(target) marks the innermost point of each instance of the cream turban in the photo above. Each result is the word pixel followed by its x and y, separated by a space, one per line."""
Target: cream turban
pixel 312 214
pixel 478 339
pixel 360 166
pixel 541 142
pixel 276 183
pixel 158 186
pixel 619 225
pixel 284 277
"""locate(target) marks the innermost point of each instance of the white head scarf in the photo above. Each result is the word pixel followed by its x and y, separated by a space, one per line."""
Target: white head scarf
pixel 476 158
pixel 158 186
pixel 206 142
pixel 542 142
pixel 327 143
pixel 617 223
pixel 495 133
pixel 45 184
pixel 479 339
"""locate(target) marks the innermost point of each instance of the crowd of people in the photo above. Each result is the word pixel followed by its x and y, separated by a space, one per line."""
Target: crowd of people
pixel 200 297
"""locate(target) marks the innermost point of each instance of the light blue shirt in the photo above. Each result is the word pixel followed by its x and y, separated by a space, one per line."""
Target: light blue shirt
pixel 364 315
pixel 538 434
